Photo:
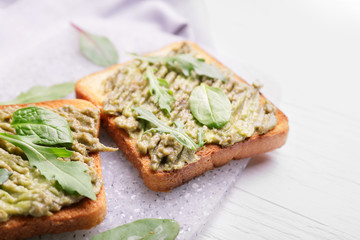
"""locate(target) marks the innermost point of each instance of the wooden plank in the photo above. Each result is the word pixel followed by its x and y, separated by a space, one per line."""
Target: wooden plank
pixel 309 189
pixel 252 217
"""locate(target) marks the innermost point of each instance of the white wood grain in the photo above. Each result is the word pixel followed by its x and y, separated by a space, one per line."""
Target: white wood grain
pixel 257 218
pixel 304 191
pixel 308 52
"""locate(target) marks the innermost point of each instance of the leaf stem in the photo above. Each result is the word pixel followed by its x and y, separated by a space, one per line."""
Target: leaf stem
pixel 95 47
pixel 77 28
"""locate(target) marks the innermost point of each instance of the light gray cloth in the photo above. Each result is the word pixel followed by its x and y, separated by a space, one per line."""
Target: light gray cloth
pixel 133 25
pixel 39 47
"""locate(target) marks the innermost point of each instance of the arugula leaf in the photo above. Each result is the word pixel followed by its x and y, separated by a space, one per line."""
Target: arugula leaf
pixel 201 137
pixel 178 133
pixel 162 95
pixel 71 176
pixel 48 127
pixel 147 228
pixel 186 63
pixel 4 175
pixel 98 49
pixel 189 63
pixel 210 106
pixel 41 93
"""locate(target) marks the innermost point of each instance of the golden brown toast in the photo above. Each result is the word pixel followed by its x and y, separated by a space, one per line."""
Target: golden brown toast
pixel 89 88
pixel 82 215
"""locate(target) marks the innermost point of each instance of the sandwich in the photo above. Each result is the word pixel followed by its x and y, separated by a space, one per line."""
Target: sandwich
pixel 50 168
pixel 178 112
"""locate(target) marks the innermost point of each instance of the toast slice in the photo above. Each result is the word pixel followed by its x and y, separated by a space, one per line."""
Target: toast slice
pixel 90 88
pixel 82 215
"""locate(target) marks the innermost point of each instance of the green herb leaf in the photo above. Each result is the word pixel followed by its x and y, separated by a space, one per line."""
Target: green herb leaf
pixel 48 127
pixel 4 175
pixel 201 141
pixel 178 133
pixel 162 95
pixel 210 106
pixel 41 93
pixel 148 228
pixel 98 49
pixel 186 63
pixel 71 176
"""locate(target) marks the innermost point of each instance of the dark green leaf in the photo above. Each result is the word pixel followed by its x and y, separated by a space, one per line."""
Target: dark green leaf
pixel 186 63
pixel 71 176
pixel 162 95
pixel 210 106
pixel 4 175
pixel 178 133
pixel 98 49
pixel 41 93
pixel 148 228
pixel 48 127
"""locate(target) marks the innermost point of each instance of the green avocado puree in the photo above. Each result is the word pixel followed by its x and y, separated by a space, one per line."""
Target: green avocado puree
pixel 27 192
pixel 128 89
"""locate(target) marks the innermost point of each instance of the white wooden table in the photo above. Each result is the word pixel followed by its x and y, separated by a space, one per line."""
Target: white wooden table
pixel 307 54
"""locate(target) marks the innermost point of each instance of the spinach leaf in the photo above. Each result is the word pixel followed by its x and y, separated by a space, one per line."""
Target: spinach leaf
pixel 71 176
pixel 162 95
pixel 4 175
pixel 98 49
pixel 148 228
pixel 210 106
pixel 161 127
pixel 41 93
pixel 186 63
pixel 48 127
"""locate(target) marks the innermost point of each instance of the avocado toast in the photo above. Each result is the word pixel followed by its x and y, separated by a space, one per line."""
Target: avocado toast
pixel 27 211
pixel 153 108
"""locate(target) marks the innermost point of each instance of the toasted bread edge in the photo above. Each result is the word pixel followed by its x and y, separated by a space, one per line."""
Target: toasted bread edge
pixel 82 215
pixel 210 155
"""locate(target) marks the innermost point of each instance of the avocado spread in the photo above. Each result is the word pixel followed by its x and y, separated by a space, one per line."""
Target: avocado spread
pixel 27 192
pixel 128 88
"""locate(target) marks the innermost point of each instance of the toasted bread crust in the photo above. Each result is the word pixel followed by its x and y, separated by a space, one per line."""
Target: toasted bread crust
pixel 82 215
pixel 210 155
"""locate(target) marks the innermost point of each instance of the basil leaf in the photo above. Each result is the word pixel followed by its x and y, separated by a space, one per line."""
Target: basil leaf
pixel 210 106
pixel 98 49
pixel 41 93
pixel 186 63
pixel 162 95
pixel 48 127
pixel 178 133
pixel 4 175
pixel 71 176
pixel 148 228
